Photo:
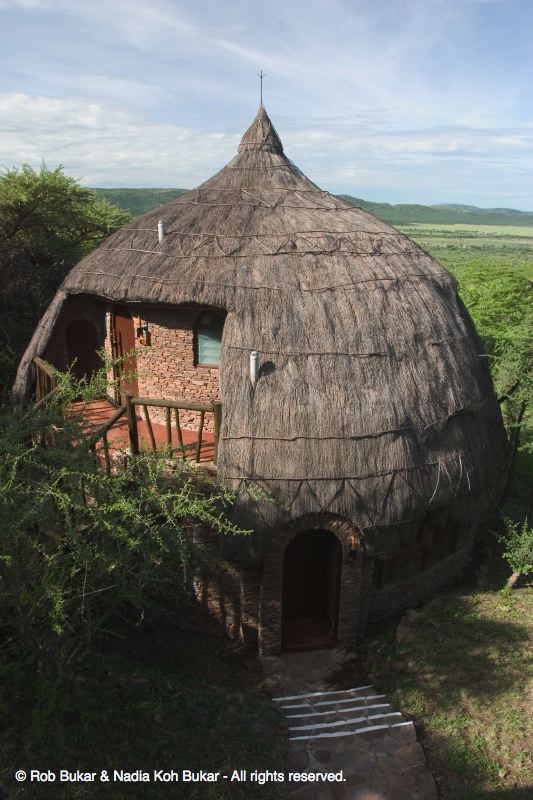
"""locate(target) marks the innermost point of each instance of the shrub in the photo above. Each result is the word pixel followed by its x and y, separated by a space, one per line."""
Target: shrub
pixel 81 548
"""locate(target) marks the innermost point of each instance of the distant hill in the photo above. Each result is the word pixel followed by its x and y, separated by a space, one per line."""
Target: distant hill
pixel 442 214
pixel 140 201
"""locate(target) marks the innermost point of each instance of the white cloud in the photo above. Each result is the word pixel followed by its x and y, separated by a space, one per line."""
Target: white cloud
pixel 104 146
pixel 408 95
pixel 26 5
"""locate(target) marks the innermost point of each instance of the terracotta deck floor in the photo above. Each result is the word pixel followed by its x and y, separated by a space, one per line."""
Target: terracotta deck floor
pixel 98 412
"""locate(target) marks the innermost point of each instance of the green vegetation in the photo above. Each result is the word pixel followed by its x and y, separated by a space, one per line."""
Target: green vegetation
pixel 158 696
pixel 518 542
pixel 105 661
pixel 79 546
pixel 404 214
pixel 47 223
pixel 99 629
pixel 461 666
pixel 138 201
pixel 460 669
pixel 494 268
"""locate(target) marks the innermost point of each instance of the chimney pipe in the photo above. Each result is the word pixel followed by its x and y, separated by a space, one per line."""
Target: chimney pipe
pixel 254 367
pixel 161 230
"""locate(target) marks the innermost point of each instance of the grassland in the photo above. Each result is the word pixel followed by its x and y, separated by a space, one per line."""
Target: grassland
pixel 464 249
pixel 139 201
pixel 460 667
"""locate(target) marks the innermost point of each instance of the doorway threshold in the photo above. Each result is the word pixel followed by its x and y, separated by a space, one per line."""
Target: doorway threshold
pixel 307 634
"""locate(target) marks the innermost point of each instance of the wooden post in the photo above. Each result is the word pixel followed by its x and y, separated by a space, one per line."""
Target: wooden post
pixel 217 408
pixel 106 454
pixel 132 425
pixel 178 427
pixel 37 382
pixel 150 429
pixel 200 432
pixel 169 429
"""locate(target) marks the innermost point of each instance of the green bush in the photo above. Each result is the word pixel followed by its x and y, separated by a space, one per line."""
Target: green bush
pixel 518 544
pixel 81 549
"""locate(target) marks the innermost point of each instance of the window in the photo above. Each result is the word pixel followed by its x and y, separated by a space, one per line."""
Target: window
pixel 208 337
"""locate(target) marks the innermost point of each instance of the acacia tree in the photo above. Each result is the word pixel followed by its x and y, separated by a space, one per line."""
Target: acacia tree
pixel 47 223
pixel 501 304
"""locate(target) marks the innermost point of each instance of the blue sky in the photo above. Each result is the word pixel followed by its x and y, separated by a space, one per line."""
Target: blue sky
pixel 422 101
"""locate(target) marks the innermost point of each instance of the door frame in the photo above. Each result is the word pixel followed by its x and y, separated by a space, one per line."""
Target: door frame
pixel 325 540
pixel 353 583
pixel 118 352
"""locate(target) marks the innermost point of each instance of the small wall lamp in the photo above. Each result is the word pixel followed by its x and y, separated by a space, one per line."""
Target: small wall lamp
pixel 353 547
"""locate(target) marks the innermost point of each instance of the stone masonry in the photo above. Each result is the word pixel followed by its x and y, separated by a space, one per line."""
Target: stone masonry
pixel 166 364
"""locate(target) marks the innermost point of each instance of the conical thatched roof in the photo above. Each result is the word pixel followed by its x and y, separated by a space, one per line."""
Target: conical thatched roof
pixel 373 402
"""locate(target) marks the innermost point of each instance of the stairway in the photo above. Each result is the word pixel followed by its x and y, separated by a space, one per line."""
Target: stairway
pixel 332 714
pixel 354 734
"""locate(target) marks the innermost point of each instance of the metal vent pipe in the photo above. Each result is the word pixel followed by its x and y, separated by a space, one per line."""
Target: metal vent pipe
pixel 254 367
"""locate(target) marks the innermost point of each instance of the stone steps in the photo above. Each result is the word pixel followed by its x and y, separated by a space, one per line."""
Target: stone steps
pixel 334 714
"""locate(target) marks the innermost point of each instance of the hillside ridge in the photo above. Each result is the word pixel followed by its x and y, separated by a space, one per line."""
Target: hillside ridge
pixel 140 201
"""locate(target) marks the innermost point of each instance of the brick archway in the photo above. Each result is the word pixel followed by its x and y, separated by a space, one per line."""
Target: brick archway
pixel 351 579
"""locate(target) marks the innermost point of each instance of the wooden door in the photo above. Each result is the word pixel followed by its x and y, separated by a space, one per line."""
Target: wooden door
pixel 123 342
pixel 311 584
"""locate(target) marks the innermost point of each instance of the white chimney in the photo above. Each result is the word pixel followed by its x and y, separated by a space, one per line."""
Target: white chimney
pixel 161 230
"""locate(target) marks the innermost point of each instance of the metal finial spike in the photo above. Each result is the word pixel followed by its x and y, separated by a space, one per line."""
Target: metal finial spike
pixel 261 75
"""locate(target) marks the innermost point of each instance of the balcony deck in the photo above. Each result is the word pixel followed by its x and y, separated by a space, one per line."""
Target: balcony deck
pixel 98 412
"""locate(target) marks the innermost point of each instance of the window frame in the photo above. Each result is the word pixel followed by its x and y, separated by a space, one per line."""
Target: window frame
pixel 216 312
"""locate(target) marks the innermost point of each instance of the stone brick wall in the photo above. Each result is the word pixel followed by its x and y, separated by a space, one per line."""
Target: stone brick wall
pixel 166 368
pixel 395 599
pixel 217 584
pixel 247 601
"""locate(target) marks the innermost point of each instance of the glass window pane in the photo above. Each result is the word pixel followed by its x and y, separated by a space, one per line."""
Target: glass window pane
pixel 208 348
pixel 209 337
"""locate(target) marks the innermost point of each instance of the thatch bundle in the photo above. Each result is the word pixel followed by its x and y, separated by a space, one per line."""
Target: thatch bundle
pixel 373 402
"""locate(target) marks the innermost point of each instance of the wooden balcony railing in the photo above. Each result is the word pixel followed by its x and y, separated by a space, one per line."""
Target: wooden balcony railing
pixel 169 406
pixel 45 382
pixel 46 387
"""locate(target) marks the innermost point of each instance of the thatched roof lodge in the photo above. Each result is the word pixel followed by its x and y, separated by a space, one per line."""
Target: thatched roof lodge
pixel 372 429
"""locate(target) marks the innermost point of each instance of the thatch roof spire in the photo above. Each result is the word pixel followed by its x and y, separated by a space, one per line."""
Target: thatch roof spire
pixel 261 135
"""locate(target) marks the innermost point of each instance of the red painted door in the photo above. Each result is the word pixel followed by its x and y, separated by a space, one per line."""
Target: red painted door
pixel 124 349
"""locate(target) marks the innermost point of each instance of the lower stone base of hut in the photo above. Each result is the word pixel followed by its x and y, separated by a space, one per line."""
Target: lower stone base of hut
pixel 315 586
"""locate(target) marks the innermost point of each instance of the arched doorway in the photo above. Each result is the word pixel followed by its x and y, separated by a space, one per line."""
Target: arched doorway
pixel 82 347
pixel 311 588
